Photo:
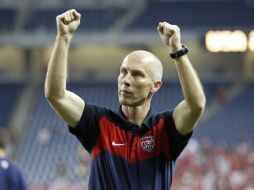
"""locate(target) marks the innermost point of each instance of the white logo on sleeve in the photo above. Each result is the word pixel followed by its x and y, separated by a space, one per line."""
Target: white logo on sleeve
pixel 118 144
pixel 4 164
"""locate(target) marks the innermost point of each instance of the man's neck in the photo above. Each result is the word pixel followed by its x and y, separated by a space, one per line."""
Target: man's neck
pixel 136 114
pixel 2 153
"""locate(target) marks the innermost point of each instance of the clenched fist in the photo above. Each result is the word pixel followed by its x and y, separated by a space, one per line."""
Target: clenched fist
pixel 170 35
pixel 68 22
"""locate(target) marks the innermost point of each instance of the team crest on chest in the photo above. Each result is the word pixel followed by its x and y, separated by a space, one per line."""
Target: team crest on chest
pixel 147 143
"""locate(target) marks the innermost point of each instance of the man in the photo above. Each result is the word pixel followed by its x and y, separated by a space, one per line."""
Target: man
pixel 133 147
pixel 11 177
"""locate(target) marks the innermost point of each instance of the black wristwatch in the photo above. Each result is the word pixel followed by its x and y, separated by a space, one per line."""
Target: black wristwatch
pixel 179 53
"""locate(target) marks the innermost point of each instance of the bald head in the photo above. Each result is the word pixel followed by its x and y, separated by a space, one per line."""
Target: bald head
pixel 152 62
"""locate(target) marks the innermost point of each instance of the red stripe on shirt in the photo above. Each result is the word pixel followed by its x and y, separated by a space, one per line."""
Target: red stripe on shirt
pixel 127 145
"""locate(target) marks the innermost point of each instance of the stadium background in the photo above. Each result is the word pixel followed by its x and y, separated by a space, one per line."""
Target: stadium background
pixel 220 155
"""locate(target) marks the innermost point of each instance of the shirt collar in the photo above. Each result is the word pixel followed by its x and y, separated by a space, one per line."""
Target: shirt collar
pixel 146 124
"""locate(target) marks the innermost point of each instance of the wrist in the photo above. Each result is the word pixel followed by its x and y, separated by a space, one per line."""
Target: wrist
pixel 65 37
pixel 64 40
pixel 175 54
pixel 176 47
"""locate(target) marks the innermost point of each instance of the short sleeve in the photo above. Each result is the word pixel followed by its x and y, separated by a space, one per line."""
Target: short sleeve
pixel 22 183
pixel 87 129
pixel 177 141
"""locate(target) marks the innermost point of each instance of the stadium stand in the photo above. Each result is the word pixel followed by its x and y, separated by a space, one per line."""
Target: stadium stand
pixel 233 122
pixel 8 95
pixel 47 141
pixel 7 24
pixel 204 166
pixel 212 14
pixel 94 19
pixel 195 14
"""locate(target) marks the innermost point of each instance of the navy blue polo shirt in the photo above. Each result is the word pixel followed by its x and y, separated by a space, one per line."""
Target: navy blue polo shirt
pixel 10 176
pixel 127 156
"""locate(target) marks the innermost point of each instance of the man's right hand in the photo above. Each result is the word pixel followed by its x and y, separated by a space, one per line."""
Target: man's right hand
pixel 68 22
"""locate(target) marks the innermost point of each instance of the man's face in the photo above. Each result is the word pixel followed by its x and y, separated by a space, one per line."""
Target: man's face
pixel 134 81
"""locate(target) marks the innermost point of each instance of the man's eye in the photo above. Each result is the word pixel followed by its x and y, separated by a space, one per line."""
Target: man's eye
pixel 122 71
pixel 137 74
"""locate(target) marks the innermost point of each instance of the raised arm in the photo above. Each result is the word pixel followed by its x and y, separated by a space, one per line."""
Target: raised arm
pixel 188 111
pixel 67 104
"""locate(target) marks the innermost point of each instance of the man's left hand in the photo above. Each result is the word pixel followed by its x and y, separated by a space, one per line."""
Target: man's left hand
pixel 170 35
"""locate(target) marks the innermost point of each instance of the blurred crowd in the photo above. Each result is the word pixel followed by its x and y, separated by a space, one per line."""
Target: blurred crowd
pixel 205 166
pixel 202 166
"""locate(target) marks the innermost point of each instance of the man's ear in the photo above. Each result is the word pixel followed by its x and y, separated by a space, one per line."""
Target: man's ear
pixel 156 86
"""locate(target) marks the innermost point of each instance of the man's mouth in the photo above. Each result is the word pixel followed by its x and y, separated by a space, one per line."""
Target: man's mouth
pixel 125 92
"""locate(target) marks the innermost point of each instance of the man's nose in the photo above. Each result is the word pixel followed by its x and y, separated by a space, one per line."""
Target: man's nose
pixel 126 80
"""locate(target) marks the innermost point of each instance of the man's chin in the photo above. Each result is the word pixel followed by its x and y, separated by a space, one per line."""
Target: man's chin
pixel 125 102
pixel 130 103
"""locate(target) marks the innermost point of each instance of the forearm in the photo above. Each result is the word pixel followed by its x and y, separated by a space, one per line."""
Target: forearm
pixel 55 84
pixel 190 83
pixel 188 111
